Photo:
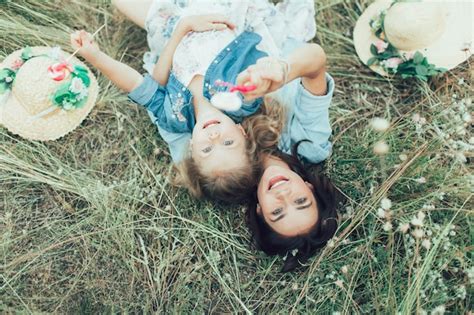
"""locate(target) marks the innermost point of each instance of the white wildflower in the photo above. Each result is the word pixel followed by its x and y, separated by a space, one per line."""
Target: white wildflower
pixel 426 243
pixel 381 213
pixel 416 117
pixel 381 148
pixel 467 118
pixel 418 233
pixel 8 79
pixel 439 310
pixel 387 226
pixel 344 269
pixel 452 233
pixel 404 227
pixel 386 203
pixel 403 157
pixel 380 124
pixel 294 252
pixel 421 180
pixel 294 287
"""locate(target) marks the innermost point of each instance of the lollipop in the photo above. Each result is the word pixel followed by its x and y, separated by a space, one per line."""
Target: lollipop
pixel 230 101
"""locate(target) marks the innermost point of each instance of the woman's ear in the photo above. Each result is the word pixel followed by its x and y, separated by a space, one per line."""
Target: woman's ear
pixel 258 209
pixel 309 185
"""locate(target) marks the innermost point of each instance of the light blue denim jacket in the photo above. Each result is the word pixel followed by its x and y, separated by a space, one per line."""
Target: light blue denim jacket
pixel 171 107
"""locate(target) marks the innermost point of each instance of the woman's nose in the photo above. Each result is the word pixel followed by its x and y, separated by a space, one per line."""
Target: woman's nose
pixel 282 193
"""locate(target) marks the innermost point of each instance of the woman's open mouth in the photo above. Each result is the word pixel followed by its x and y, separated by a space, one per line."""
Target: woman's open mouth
pixel 277 181
pixel 210 123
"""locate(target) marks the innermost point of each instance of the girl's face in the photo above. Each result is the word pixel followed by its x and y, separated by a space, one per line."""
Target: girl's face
pixel 218 144
pixel 286 201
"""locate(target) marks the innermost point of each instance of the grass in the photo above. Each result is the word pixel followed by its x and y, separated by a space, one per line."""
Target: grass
pixel 91 224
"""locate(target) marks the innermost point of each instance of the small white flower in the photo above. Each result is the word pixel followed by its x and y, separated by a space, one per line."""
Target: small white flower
pixel 467 118
pixel 386 203
pixel 426 244
pixel 418 233
pixel 387 226
pixel 439 310
pixel 416 117
pixel 380 124
pixel 8 79
pixel 76 86
pixel 421 215
pixel 294 252
pixel 452 233
pixel 67 105
pixel 381 148
pixel 404 227
pixel 381 213
pixel 421 180
pixel 294 287
pixel 403 157
pixel 344 269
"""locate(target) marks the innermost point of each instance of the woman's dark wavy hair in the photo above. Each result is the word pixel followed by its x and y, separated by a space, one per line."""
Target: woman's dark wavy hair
pixel 273 243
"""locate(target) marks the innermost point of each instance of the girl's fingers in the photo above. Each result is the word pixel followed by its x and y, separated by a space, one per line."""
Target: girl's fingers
pixel 221 19
pixel 218 26
pixel 243 77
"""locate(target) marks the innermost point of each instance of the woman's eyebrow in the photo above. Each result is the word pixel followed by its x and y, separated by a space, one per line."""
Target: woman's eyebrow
pixel 279 218
pixel 305 206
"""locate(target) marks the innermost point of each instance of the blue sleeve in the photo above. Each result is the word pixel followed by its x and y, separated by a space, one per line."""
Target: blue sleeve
pixel 149 94
pixel 309 120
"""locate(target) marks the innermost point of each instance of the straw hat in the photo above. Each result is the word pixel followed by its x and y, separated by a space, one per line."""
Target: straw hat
pixel 31 107
pixel 442 31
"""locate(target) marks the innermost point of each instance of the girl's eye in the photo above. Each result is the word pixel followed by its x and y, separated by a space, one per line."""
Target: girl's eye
pixel 277 211
pixel 300 201
pixel 207 149
pixel 228 142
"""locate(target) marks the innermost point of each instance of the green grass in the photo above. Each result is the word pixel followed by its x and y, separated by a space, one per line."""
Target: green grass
pixel 91 224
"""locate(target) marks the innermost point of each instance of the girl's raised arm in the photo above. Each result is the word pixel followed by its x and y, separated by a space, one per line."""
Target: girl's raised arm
pixel 125 77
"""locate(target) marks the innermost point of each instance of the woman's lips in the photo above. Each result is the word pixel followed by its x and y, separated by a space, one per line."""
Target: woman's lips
pixel 276 181
pixel 210 123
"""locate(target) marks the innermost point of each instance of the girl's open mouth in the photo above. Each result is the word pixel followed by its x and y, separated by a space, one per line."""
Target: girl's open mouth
pixel 210 123
pixel 277 181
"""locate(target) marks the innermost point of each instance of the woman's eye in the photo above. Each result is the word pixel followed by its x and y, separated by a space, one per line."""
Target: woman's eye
pixel 300 201
pixel 277 211
pixel 228 142
pixel 207 149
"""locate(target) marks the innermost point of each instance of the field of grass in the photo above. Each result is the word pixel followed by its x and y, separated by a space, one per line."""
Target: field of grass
pixel 91 224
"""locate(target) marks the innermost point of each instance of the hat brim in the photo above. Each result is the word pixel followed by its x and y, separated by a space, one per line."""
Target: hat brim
pixel 448 51
pixel 52 126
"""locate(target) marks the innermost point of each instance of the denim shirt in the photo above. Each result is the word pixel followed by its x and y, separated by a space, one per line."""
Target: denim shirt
pixel 171 106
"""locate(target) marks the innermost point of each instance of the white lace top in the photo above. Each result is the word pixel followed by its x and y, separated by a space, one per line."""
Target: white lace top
pixel 274 23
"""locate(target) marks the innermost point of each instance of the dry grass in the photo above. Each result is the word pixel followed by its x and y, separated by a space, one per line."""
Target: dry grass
pixel 90 223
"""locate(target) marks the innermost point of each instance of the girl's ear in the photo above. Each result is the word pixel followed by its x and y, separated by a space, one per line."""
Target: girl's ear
pixel 309 185
pixel 242 130
pixel 258 209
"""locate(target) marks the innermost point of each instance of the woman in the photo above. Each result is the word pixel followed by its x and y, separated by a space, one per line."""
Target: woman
pixel 292 209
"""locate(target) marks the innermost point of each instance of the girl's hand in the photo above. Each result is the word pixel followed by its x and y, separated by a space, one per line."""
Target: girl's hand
pixel 203 23
pixel 85 43
pixel 268 74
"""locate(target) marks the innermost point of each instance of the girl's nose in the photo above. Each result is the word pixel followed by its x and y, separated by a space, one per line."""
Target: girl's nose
pixel 213 135
pixel 281 194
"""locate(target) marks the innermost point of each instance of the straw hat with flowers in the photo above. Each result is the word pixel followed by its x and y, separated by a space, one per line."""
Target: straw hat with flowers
pixel 44 94
pixel 415 38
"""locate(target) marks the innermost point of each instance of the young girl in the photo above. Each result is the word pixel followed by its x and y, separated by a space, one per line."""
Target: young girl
pixel 199 51
pixel 292 209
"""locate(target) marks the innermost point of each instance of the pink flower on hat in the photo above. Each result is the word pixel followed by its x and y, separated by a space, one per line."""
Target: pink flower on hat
pixel 59 71
pixel 381 46
pixel 393 62
pixel 17 64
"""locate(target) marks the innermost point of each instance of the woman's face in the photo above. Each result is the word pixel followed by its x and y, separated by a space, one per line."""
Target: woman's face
pixel 286 201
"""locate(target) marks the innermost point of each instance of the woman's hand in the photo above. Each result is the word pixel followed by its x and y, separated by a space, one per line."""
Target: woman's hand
pixel 83 41
pixel 268 74
pixel 203 23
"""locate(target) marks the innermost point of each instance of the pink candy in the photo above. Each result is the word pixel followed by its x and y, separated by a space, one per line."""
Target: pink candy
pixel 59 71
pixel 233 88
